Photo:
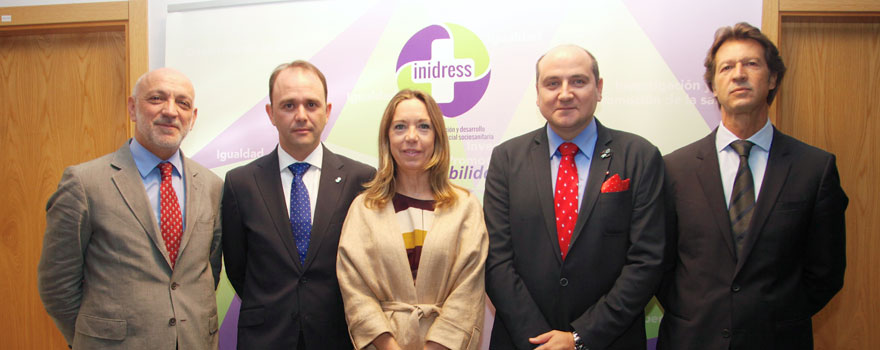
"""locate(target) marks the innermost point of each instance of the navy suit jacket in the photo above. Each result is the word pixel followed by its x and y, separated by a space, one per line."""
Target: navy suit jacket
pixel 280 297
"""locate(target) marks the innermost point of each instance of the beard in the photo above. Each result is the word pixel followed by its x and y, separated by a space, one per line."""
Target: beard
pixel 155 135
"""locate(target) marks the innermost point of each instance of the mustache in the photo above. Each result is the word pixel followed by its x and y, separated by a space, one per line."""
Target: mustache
pixel 168 121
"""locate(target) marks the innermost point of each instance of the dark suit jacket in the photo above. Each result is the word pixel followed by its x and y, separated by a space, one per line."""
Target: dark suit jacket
pixel 792 260
pixel 279 296
pixel 614 260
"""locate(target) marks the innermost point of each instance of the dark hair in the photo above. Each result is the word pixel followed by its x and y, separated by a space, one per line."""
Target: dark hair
pixel 745 31
pixel 296 64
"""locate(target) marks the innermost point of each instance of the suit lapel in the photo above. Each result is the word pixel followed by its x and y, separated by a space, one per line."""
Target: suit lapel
pixel 193 185
pixel 709 175
pixel 268 181
pixel 131 187
pixel 778 166
pixel 598 172
pixel 329 193
pixel 539 156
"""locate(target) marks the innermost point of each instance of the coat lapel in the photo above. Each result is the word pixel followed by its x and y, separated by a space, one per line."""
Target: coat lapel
pixel 598 172
pixel 193 185
pixel 778 166
pixel 329 193
pixel 268 181
pixel 539 157
pixel 709 175
pixel 131 187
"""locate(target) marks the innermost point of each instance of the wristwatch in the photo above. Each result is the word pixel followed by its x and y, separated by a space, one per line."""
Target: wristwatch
pixel 578 343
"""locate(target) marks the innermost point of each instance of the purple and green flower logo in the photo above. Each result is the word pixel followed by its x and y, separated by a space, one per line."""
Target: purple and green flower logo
pixel 447 61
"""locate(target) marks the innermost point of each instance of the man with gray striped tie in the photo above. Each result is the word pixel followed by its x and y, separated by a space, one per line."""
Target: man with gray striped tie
pixel 755 218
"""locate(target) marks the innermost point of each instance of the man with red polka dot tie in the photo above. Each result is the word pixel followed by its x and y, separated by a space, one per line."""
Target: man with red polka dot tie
pixel 575 219
pixel 131 254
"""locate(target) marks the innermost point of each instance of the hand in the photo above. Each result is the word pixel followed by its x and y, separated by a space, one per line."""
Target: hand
pixel 434 346
pixel 554 340
pixel 386 341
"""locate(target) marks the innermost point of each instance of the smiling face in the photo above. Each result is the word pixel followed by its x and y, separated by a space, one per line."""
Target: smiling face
pixel 162 109
pixel 299 111
pixel 742 78
pixel 568 92
pixel 411 137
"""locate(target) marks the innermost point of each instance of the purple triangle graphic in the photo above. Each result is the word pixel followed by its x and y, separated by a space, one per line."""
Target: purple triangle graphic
pixel 229 327
pixel 683 30
pixel 253 135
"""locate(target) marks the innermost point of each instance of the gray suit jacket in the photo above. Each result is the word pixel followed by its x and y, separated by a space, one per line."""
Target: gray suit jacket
pixel 104 274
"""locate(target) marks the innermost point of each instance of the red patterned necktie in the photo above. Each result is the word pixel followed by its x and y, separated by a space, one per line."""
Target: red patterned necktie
pixel 566 196
pixel 172 223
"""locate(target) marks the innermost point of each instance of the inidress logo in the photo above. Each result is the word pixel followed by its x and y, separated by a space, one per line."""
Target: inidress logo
pixel 447 61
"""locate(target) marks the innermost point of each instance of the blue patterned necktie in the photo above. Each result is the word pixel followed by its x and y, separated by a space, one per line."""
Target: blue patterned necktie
pixel 300 210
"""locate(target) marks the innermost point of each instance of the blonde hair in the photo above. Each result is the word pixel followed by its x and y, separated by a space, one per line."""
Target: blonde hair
pixel 382 187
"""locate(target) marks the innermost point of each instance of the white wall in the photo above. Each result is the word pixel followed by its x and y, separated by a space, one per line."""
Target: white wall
pixel 156 12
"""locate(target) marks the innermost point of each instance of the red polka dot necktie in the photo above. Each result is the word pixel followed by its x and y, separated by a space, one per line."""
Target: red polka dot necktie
pixel 566 197
pixel 171 221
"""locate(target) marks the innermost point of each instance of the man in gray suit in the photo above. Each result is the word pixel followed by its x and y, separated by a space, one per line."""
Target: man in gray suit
pixel 131 254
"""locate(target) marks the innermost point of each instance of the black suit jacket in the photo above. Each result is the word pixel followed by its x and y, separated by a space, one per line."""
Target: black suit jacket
pixel 792 261
pixel 614 261
pixel 279 296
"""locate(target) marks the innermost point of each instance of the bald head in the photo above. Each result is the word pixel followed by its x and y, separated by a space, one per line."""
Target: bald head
pixel 567 50
pixel 162 107
pixel 160 74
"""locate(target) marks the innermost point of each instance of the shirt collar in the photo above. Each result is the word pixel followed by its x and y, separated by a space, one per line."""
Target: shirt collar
pixel 314 159
pixel 586 140
pixel 146 161
pixel 763 138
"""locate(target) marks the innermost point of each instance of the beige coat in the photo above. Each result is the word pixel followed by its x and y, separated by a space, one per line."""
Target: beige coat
pixel 446 303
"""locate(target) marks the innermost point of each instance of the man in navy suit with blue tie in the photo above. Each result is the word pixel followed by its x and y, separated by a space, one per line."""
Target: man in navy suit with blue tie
pixel 282 215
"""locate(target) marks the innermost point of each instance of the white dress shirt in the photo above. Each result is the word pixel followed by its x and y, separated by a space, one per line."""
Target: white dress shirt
pixel 728 159
pixel 311 178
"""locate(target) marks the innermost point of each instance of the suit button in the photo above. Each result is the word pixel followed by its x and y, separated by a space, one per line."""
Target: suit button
pixel 172 322
pixel 303 280
pixel 174 285
pixel 735 288
pixel 563 282
pixel 725 333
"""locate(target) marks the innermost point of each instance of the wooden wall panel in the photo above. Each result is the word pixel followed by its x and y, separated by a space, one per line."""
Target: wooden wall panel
pixel 67 13
pixel 63 103
pixel 829 99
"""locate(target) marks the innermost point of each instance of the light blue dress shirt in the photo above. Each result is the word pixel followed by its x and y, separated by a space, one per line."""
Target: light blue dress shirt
pixel 147 164
pixel 586 142
pixel 728 159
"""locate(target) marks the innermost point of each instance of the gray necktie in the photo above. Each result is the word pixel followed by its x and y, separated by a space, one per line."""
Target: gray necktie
pixel 742 198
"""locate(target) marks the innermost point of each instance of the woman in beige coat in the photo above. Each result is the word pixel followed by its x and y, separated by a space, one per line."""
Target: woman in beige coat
pixel 413 247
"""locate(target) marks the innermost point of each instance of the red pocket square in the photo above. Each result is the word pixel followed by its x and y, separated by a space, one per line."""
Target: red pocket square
pixel 615 184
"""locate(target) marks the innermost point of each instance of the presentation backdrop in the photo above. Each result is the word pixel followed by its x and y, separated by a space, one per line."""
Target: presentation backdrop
pixel 476 58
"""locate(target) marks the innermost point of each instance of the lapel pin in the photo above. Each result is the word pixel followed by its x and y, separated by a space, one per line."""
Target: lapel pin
pixel 338 179
pixel 606 153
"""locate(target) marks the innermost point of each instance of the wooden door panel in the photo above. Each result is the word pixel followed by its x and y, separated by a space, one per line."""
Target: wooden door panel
pixel 829 98
pixel 63 102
